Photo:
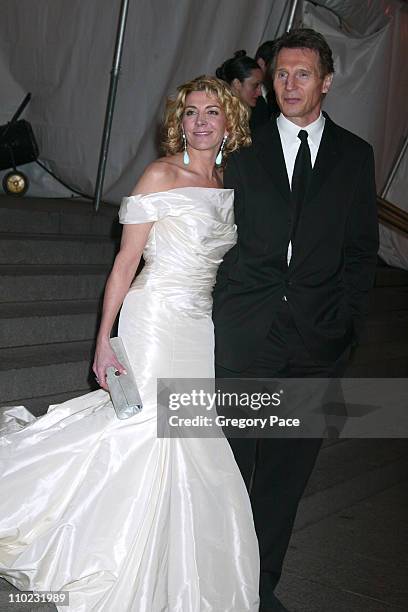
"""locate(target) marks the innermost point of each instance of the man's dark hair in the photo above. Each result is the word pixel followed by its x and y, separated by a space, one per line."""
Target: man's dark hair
pixel 266 51
pixel 306 38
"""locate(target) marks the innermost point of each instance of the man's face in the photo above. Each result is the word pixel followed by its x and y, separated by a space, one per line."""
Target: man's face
pixel 299 86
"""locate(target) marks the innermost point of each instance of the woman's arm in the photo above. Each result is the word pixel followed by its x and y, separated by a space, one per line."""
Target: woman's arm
pixel 134 238
pixel 157 177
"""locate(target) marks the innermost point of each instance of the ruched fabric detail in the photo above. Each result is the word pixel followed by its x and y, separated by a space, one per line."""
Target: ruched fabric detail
pixel 103 508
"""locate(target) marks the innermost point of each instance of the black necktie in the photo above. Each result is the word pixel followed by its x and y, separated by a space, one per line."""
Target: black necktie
pixel 302 173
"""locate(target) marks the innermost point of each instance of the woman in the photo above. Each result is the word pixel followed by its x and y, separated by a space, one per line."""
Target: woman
pixel 244 76
pixel 101 507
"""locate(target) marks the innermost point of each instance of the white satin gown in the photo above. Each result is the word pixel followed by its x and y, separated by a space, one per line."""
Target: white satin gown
pixel 104 509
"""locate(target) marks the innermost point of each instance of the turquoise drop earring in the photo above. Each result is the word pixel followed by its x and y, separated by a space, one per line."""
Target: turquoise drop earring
pixel 218 159
pixel 186 157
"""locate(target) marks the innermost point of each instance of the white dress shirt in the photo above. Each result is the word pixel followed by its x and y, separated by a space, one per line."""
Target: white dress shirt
pixel 288 132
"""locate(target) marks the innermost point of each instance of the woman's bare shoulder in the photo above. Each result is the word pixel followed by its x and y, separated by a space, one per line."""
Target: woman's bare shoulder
pixel 160 175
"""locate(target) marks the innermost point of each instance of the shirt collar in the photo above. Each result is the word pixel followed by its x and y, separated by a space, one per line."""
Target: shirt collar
pixel 289 130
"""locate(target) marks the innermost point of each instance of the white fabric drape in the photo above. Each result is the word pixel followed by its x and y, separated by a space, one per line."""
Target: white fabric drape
pixel 370 89
pixel 394 244
pixel 62 52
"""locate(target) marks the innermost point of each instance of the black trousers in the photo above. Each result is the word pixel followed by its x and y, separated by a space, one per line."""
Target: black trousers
pixel 276 470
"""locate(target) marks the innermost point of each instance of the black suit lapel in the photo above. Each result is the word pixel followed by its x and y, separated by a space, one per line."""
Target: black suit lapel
pixel 268 149
pixel 328 156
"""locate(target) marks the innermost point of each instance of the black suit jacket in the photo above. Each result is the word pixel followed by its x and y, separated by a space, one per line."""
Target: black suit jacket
pixel 263 111
pixel 259 114
pixel 334 257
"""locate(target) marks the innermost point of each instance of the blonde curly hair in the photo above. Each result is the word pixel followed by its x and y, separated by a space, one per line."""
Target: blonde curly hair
pixel 236 114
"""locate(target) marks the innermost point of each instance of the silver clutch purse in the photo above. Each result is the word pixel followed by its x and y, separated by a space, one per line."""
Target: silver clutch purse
pixel 123 389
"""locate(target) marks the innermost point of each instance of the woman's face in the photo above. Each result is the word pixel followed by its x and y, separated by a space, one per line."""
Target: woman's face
pixel 204 121
pixel 250 88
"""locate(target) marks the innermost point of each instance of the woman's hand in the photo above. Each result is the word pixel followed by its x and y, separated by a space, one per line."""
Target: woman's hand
pixel 104 359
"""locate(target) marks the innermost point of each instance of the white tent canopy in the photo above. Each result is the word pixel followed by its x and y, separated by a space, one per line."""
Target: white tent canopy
pixel 62 53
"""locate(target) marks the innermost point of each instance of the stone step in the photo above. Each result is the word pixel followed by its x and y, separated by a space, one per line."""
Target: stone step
pixel 57 320
pixel 55 249
pixel 387 276
pixel 39 405
pixel 390 368
pixel 55 257
pixel 49 369
pixel 47 282
pixel 349 471
pixel 35 323
pixel 367 353
pixel 386 327
pixel 57 216
pixel 384 299
pixel 380 359
pixel 346 458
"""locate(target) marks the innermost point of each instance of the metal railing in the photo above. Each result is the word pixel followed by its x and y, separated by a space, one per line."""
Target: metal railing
pixel 392 216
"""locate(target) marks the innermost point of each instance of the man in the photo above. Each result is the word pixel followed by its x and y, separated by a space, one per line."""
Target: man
pixel 291 295
pixel 264 55
pixel 266 106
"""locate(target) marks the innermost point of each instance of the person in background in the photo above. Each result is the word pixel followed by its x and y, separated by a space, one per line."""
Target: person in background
pixel 245 77
pixel 263 58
